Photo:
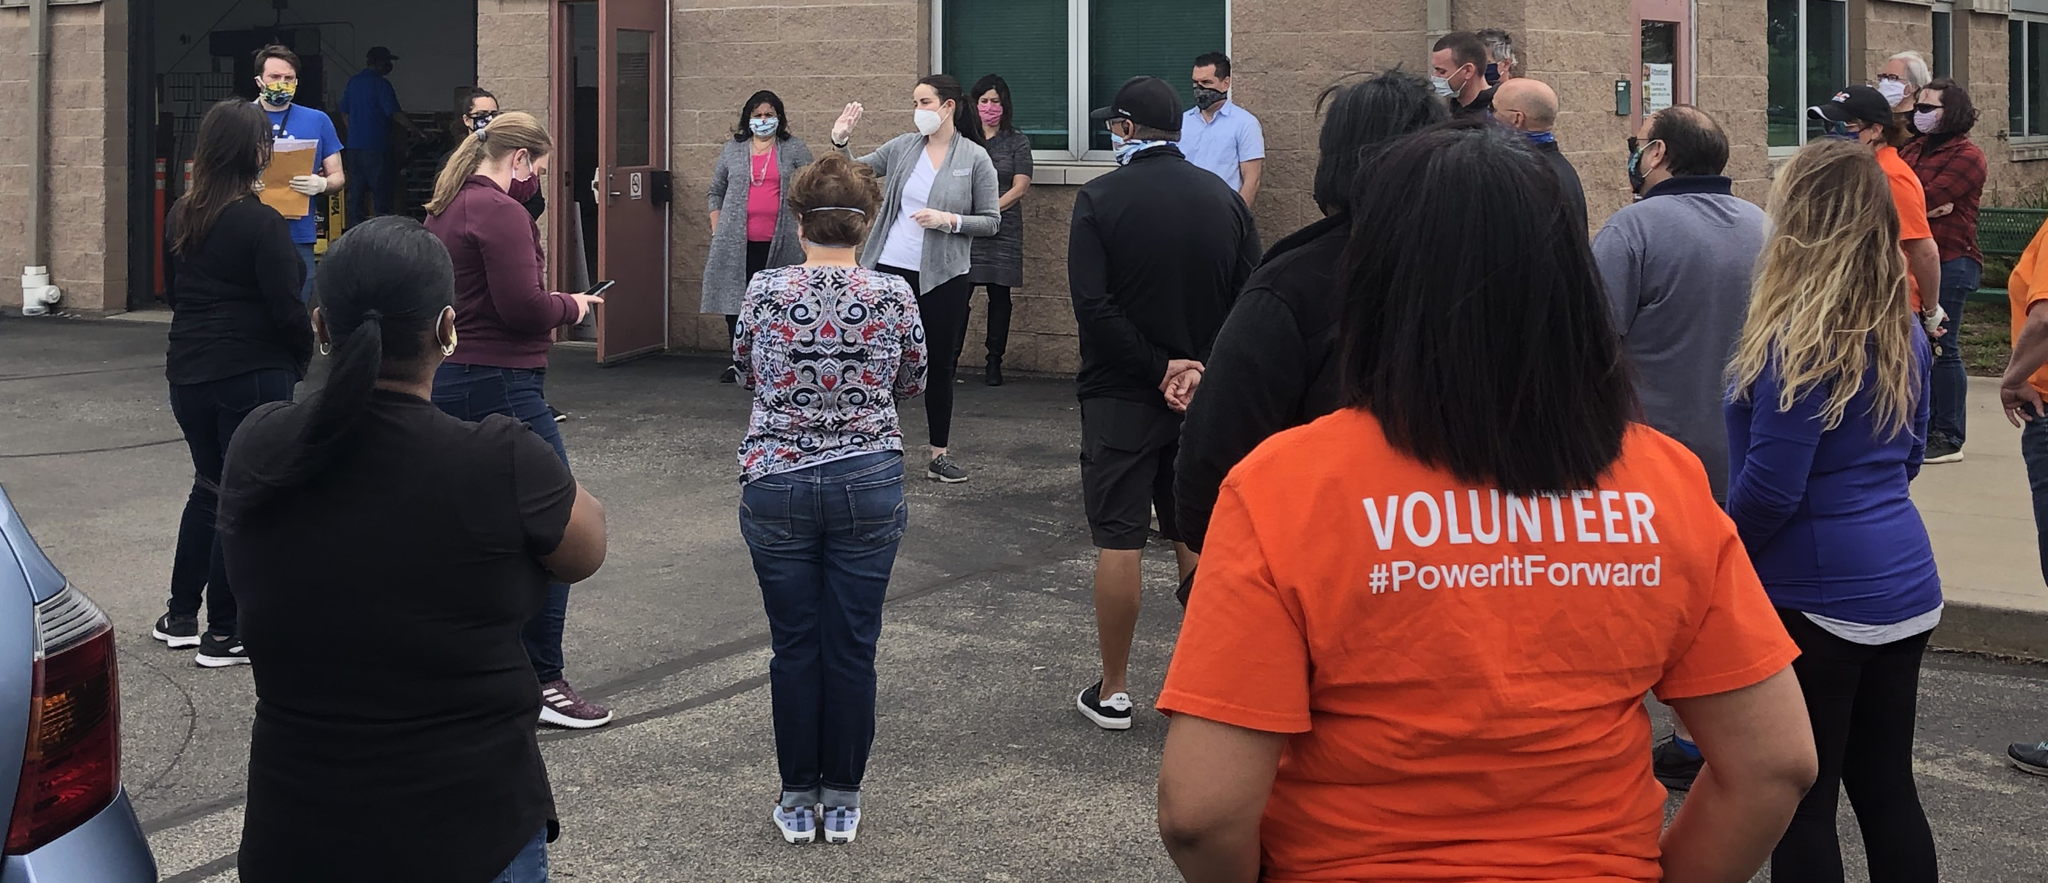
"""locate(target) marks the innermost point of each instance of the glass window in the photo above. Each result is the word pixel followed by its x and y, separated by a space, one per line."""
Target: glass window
pixel 1815 32
pixel 2037 69
pixel 1944 42
pixel 2016 77
pixel 1064 57
pixel 635 118
pixel 2027 76
pixel 1025 43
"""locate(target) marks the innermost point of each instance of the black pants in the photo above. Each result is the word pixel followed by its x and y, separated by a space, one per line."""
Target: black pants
pixel 757 260
pixel 208 415
pixel 1862 701
pixel 944 311
pixel 998 339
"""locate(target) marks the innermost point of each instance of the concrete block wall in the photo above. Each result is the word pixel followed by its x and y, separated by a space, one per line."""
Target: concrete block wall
pixel 88 181
pixel 1731 79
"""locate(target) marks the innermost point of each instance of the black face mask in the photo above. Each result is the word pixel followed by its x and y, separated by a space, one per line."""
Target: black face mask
pixel 1636 179
pixel 1208 98
pixel 1493 75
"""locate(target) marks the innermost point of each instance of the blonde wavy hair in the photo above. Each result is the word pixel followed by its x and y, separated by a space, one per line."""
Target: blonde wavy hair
pixel 508 133
pixel 1829 298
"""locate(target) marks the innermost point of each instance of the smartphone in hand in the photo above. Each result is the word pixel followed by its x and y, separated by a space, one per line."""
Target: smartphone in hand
pixel 598 290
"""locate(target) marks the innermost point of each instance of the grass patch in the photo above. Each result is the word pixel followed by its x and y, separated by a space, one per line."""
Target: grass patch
pixel 1987 339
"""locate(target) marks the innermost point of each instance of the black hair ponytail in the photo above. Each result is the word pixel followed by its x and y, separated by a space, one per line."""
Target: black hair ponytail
pixel 383 288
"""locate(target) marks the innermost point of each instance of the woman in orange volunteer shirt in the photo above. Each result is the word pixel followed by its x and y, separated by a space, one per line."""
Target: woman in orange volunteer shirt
pixel 1425 623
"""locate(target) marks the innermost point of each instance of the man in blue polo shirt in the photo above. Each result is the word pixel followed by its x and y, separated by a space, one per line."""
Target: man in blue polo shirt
pixel 277 89
pixel 372 106
pixel 1219 136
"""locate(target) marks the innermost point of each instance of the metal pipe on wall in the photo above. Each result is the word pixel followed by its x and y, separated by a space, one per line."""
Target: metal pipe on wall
pixel 38 131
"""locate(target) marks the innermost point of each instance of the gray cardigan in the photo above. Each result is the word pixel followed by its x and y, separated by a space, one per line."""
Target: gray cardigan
pixel 965 186
pixel 725 267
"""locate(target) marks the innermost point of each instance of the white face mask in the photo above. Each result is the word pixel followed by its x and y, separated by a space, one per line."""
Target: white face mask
pixel 1893 91
pixel 928 121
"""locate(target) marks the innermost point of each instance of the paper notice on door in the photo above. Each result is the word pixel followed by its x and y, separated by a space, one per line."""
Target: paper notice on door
pixel 1658 82
pixel 289 158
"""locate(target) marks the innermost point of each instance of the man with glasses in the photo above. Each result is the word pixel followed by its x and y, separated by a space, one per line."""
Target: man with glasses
pixel 1677 269
pixel 1863 114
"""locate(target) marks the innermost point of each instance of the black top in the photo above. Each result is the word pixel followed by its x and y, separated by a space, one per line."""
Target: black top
pixel 1567 181
pixel 382 605
pixel 1274 367
pixel 235 299
pixel 1156 255
pixel 1481 103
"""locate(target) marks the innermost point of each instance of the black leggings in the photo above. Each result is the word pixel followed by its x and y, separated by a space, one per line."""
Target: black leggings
pixel 1862 701
pixel 944 311
pixel 998 340
pixel 757 260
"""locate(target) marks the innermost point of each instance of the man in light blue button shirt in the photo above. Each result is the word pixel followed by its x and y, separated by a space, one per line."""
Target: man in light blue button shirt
pixel 1219 136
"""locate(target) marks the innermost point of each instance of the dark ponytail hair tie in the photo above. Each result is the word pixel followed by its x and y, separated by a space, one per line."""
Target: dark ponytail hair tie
pixel 373 315
pixel 483 134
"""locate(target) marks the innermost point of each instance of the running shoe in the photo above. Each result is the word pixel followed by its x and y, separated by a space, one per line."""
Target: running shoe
pixel 560 706
pixel 218 652
pixel 945 471
pixel 2029 758
pixel 842 823
pixel 731 374
pixel 1113 713
pixel 1672 766
pixel 799 825
pixel 1943 450
pixel 176 630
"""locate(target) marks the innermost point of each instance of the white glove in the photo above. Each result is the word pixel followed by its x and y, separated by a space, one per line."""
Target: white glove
pixel 309 185
pixel 1932 321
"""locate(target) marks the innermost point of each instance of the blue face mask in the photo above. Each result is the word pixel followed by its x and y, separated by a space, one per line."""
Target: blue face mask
pixel 1126 148
pixel 764 126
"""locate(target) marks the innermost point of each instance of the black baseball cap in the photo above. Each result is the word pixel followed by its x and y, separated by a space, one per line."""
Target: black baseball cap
pixel 380 53
pixel 1147 101
pixel 1854 104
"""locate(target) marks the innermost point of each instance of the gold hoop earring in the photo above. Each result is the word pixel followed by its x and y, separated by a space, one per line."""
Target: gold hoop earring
pixel 326 349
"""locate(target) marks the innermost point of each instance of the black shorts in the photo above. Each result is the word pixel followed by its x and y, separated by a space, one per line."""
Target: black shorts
pixel 1127 451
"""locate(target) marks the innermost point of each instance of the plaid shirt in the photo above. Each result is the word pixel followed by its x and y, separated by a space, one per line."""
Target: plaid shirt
pixel 1952 171
pixel 827 351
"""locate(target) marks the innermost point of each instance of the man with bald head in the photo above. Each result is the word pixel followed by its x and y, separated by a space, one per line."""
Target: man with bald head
pixel 1530 107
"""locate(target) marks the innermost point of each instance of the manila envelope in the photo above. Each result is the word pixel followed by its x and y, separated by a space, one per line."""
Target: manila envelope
pixel 289 158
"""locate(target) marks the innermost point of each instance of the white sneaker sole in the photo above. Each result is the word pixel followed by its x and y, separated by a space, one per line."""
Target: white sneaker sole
pixel 794 838
pixel 1107 723
pixel 175 642
pixel 942 479
pixel 206 661
pixel 555 718
pixel 841 837
pixel 1956 457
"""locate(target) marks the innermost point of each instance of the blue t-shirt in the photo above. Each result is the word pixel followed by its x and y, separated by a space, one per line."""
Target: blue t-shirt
pixel 1219 145
pixel 306 124
pixel 369 101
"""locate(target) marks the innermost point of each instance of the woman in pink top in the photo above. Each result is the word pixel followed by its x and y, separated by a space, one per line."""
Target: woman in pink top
pixel 751 229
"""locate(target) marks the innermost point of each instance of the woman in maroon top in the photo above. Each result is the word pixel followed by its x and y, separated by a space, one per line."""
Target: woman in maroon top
pixel 1951 168
pixel 505 318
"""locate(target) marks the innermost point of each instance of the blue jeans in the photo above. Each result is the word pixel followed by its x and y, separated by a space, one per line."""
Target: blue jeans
pixel 823 541
pixel 306 255
pixel 369 182
pixel 2034 450
pixel 208 414
pixel 530 865
pixel 1959 277
pixel 473 392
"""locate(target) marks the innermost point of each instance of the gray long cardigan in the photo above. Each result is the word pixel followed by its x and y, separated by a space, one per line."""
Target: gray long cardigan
pixel 965 185
pixel 725 268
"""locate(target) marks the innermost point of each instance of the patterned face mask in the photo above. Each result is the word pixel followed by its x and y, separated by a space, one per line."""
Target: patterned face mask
pixel 279 94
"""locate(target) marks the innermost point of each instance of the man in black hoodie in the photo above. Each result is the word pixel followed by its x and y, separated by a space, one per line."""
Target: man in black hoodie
pixel 1156 254
pixel 1530 107
pixel 1275 363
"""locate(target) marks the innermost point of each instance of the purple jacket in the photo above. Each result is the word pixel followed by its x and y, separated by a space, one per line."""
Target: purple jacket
pixel 505 316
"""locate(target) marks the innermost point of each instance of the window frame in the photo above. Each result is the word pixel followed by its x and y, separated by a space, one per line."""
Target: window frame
pixel 1947 53
pixel 1080 130
pixel 1805 51
pixel 2019 98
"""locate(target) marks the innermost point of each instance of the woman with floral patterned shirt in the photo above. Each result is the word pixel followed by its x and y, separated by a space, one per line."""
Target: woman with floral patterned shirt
pixel 827 347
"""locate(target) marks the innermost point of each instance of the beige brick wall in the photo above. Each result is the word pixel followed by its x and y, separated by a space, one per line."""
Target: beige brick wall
pixel 1893 28
pixel 88 192
pixel 1731 81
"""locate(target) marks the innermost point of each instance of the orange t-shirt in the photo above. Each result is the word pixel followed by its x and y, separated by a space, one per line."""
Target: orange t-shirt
pixel 1911 200
pixel 1461 672
pixel 2020 287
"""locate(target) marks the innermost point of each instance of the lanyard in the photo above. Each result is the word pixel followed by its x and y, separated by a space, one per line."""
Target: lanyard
pixel 282 128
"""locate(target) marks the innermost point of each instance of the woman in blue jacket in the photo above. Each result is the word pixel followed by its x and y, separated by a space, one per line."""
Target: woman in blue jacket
pixel 1827 425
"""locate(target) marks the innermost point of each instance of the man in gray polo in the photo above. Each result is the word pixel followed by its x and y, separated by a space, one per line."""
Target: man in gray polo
pixel 1677 267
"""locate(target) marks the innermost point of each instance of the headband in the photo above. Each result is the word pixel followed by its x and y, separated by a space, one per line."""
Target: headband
pixel 836 208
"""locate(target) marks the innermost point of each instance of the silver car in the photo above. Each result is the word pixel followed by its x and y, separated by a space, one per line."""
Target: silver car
pixel 60 728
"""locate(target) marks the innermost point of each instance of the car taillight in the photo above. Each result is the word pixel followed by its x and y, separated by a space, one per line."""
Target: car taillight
pixel 72 766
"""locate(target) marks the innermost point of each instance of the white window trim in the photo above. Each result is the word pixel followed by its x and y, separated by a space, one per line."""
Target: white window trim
pixel 1786 151
pixel 2014 138
pixel 1070 166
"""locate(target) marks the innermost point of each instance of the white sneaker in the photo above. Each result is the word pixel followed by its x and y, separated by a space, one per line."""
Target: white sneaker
pixel 798 825
pixel 842 823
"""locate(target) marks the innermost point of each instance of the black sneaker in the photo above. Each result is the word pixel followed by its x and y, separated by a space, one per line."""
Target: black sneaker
pixel 177 631
pixel 1672 766
pixel 945 471
pixel 2029 758
pixel 994 377
pixel 731 374
pixel 216 652
pixel 1943 450
pixel 1114 714
pixel 561 416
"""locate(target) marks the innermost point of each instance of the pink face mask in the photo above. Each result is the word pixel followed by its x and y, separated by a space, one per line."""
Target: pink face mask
pixel 991 114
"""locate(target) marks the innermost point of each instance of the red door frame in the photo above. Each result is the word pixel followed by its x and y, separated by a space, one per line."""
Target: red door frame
pixel 1679 11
